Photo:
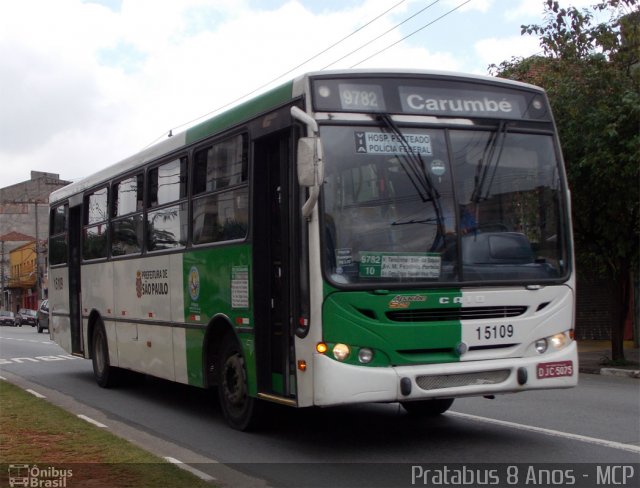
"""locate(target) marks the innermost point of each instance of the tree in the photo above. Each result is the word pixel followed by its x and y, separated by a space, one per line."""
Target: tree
pixel 591 72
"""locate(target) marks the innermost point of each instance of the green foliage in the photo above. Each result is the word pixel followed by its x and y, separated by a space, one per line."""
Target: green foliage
pixel 591 72
pixel 591 75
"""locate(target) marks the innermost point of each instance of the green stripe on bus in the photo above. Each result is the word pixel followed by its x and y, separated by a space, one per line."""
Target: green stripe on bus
pixel 194 338
pixel 217 285
pixel 241 113
pixel 392 324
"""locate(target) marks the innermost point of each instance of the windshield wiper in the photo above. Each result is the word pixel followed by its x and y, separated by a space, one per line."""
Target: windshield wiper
pixel 412 163
pixel 432 220
pixel 495 142
pixel 414 167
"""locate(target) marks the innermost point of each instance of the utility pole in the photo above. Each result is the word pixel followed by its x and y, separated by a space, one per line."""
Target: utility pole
pixel 38 297
pixel 2 277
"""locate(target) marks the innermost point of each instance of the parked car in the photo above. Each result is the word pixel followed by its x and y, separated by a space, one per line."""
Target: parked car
pixel 27 317
pixel 43 316
pixel 8 318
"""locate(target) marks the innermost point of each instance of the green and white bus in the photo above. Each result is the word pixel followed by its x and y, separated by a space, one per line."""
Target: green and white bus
pixel 350 236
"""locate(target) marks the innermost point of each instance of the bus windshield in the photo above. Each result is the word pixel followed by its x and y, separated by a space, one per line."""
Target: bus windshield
pixel 441 206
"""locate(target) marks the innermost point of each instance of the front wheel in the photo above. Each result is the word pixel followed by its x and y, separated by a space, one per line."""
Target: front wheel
pixel 240 410
pixel 105 374
pixel 428 408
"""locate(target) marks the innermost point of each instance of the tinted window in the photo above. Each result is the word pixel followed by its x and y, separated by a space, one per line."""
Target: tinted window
pixel 96 207
pixel 94 242
pixel 168 183
pixel 58 250
pixel 221 165
pixel 167 227
pixel 221 217
pixel 58 231
pixel 128 196
pixel 127 235
pixel 94 237
pixel 59 220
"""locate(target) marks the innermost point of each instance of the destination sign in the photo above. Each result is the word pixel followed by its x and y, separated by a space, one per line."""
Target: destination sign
pixel 445 101
pixel 431 97
pixel 399 265
pixel 365 98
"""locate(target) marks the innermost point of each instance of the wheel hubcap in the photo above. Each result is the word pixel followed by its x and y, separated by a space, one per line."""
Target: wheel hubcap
pixel 234 383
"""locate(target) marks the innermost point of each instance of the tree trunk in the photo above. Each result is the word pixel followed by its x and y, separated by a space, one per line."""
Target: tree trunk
pixel 620 305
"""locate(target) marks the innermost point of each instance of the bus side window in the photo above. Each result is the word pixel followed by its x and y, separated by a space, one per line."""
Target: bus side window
pixel 220 176
pixel 58 248
pixel 95 232
pixel 127 223
pixel 167 218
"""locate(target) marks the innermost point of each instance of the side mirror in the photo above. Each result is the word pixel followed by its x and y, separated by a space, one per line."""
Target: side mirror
pixel 307 150
pixel 309 161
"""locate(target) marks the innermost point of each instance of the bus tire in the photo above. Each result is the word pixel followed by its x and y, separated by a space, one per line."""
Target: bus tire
pixel 428 408
pixel 105 374
pixel 240 410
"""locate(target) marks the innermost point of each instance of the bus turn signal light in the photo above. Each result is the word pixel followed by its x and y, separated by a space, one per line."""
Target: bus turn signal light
pixel 321 347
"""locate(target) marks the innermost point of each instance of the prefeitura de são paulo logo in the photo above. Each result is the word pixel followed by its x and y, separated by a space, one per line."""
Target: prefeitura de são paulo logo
pixel 139 284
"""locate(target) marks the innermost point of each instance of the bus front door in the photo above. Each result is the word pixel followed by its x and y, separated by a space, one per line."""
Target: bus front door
pixel 273 268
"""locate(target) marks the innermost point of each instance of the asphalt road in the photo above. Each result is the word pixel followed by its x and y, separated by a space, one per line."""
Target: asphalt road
pixel 572 432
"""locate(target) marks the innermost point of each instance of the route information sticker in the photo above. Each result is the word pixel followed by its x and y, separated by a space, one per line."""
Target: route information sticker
pixel 381 143
pixel 399 265
pixel 240 287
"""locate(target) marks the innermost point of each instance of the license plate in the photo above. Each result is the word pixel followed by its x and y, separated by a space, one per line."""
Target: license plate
pixel 554 370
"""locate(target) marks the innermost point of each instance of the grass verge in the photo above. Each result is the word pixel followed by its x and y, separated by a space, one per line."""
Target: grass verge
pixel 35 433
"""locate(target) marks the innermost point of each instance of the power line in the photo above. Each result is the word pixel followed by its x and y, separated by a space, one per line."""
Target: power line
pixel 283 74
pixel 381 35
pixel 414 32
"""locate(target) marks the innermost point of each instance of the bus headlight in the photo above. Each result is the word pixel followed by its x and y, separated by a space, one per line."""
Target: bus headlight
pixel 560 341
pixel 556 341
pixel 541 346
pixel 341 352
pixel 365 355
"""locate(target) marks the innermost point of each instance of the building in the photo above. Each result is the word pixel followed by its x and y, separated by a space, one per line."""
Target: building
pixel 23 275
pixel 24 222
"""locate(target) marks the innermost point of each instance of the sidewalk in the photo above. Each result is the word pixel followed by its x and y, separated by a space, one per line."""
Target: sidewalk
pixel 594 357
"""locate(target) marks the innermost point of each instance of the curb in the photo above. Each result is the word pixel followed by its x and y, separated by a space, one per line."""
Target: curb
pixel 629 373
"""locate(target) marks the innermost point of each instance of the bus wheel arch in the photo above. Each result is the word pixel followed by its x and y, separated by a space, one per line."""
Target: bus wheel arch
pixel 219 327
pixel 240 409
pixel 106 375
pixel 225 366
pixel 94 318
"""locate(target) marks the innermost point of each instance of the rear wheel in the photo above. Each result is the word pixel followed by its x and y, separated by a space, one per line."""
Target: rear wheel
pixel 105 374
pixel 240 410
pixel 428 408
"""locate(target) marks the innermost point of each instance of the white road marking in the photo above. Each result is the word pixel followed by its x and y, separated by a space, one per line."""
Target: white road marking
pixel 35 393
pixel 91 421
pixel 550 432
pixel 37 359
pixel 26 340
pixel 203 476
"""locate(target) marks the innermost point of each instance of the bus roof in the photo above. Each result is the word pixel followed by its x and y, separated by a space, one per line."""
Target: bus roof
pixel 246 111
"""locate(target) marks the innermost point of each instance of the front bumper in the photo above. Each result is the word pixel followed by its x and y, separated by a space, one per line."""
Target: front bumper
pixel 338 383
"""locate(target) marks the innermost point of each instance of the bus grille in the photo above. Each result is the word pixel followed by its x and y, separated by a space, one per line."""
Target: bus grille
pixel 437 382
pixel 444 314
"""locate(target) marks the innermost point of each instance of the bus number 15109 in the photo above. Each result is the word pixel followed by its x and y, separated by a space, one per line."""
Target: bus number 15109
pixel 489 332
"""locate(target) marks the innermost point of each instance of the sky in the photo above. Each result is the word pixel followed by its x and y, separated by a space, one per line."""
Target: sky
pixel 87 83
